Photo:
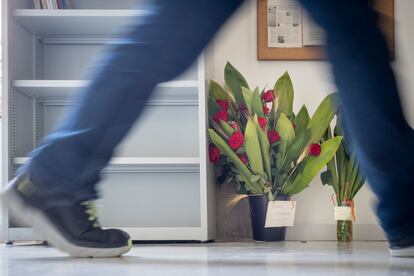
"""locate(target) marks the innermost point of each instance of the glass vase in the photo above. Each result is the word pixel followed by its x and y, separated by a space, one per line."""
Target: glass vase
pixel 344 230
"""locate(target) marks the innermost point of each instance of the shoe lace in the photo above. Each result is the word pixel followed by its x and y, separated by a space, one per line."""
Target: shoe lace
pixel 92 211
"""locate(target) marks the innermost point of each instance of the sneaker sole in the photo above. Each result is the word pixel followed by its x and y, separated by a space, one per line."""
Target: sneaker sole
pixel 403 252
pixel 42 225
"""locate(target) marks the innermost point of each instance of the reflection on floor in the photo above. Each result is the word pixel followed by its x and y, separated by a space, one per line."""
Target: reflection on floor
pixel 253 259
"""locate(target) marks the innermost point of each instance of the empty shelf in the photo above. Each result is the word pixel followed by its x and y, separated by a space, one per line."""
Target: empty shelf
pixel 48 24
pixel 179 91
pixel 144 164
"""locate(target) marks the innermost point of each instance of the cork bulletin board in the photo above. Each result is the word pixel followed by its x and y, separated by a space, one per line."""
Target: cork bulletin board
pixel 385 9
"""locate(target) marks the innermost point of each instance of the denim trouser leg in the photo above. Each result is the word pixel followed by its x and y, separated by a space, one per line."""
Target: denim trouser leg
pixel 155 49
pixel 371 109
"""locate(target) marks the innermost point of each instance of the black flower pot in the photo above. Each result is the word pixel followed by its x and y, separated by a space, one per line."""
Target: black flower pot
pixel 258 209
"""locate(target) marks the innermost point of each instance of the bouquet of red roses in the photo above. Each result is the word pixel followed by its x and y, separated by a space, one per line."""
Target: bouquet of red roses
pixel 260 143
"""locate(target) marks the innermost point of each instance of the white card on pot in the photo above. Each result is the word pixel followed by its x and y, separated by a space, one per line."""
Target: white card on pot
pixel 280 213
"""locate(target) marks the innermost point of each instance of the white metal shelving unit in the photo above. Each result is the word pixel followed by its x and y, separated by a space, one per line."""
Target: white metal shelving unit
pixel 155 188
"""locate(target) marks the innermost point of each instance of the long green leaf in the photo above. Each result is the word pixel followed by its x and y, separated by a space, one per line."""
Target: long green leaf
pixel 257 105
pixel 296 149
pixel 216 91
pixel 302 120
pixel 323 117
pixel 265 148
pixel 287 135
pixel 252 146
pixel 227 128
pixel 213 107
pixel 312 165
pixel 341 164
pixel 235 81
pixel 247 96
pixel 232 156
pixel 284 91
pixel 331 166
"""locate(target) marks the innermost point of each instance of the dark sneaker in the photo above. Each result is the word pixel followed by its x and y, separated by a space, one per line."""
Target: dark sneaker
pixel 73 228
pixel 404 252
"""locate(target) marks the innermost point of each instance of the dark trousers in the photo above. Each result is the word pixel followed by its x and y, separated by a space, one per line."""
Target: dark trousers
pixel 168 40
pixel 371 108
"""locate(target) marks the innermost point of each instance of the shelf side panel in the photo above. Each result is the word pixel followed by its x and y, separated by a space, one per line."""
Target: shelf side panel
pixel 150 200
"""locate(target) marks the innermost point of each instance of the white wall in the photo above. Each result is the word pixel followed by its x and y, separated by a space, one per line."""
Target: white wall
pixel 237 43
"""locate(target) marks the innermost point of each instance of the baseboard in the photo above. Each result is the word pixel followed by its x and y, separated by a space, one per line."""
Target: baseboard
pixel 326 232
pixel 322 232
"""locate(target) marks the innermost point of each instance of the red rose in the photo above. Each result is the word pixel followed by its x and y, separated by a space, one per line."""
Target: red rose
pixel 221 115
pixel 236 140
pixel 244 159
pixel 273 136
pixel 314 149
pixel 234 125
pixel 224 104
pixel 262 122
pixel 213 153
pixel 268 96
pixel 266 110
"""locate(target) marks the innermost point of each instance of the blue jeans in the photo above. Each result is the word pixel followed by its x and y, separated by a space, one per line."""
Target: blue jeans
pixel 170 39
pixel 155 49
pixel 371 108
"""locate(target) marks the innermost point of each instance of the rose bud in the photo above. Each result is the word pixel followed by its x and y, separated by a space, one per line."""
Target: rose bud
pixel 273 136
pixel 314 149
pixel 266 110
pixel 244 159
pixel 221 115
pixel 267 96
pixel 224 104
pixel 234 125
pixel 262 122
pixel 213 153
pixel 236 140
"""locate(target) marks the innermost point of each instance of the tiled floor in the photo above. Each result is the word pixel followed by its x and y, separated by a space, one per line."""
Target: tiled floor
pixel 253 259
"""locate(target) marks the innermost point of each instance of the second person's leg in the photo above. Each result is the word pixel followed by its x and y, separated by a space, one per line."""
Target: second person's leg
pixel 371 109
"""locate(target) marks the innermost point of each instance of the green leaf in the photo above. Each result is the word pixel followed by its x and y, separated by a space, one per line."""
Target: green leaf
pixel 297 148
pixel 213 107
pixel 247 96
pixel 265 148
pixel 287 135
pixel 216 91
pixel 235 81
pixel 232 156
pixel 302 120
pixel 255 178
pixel 257 105
pixel 284 89
pixel 252 146
pixel 227 128
pixel 341 165
pixel 311 166
pixel 322 117
pixel 331 166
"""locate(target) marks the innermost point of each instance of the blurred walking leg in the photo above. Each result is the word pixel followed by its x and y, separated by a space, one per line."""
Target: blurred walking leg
pixel 53 190
pixel 371 109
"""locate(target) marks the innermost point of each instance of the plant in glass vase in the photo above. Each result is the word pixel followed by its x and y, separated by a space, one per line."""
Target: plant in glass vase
pixel 262 145
pixel 344 175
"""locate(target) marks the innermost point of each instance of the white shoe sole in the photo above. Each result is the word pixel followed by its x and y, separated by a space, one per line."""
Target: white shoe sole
pixel 407 252
pixel 42 225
